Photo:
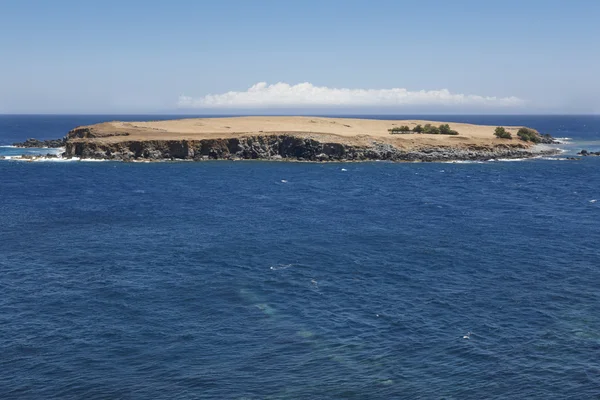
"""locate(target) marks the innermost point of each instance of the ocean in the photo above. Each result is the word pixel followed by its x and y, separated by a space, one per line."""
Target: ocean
pixel 275 280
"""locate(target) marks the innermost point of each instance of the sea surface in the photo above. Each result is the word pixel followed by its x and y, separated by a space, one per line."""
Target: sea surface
pixel 275 280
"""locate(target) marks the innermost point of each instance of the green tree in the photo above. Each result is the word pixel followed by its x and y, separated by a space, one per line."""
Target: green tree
pixel 430 129
pixel 418 129
pixel 501 133
pixel 445 130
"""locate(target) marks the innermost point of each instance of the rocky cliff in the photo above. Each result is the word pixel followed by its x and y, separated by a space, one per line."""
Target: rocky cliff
pixel 281 147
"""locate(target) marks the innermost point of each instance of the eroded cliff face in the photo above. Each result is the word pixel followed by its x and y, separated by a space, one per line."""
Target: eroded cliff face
pixel 277 147
pixel 87 132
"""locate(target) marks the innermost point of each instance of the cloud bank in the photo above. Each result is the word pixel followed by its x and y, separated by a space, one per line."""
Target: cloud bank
pixel 263 95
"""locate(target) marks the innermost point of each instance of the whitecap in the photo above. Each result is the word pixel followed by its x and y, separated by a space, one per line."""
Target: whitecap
pixel 280 266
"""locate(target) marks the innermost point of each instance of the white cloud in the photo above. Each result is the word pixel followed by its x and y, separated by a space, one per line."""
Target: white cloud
pixel 281 94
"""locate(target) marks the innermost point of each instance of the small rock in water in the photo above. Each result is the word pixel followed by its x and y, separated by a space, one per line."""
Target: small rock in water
pixel 588 153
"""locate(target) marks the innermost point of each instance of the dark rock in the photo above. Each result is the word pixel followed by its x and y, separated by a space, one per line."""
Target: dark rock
pixel 29 143
pixel 548 139
pixel 588 153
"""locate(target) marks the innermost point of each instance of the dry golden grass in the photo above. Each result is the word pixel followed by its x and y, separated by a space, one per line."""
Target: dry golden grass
pixel 341 130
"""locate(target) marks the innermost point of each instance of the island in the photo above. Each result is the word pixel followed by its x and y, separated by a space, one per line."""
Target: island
pixel 299 139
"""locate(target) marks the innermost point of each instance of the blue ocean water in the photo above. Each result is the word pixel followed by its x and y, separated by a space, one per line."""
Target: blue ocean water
pixel 252 280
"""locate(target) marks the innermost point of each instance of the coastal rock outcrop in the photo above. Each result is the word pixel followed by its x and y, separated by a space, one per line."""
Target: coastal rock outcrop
pixel 30 143
pixel 548 139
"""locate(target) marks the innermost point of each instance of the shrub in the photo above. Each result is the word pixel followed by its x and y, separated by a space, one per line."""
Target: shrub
pixel 501 133
pixel 432 130
pixel 418 129
pixel 445 130
pixel 399 129
pixel 529 135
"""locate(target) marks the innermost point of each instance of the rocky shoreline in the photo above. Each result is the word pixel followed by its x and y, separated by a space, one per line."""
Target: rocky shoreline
pixel 287 147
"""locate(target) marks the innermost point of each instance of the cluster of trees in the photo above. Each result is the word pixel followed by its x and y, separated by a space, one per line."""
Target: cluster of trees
pixel 529 135
pixel 399 129
pixel 526 134
pixel 443 129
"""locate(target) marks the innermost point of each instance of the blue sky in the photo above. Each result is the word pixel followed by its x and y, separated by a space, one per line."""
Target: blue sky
pixel 528 56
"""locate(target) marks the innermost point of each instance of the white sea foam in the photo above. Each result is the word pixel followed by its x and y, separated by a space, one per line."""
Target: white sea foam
pixel 39 159
pixel 8 147
pixel 509 159
pixel 548 158
pixel 281 266
pixel 52 159
pixel 552 158
pixel 563 140
pixel 463 162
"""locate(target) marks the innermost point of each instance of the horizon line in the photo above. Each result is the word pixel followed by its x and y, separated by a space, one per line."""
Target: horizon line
pixel 342 115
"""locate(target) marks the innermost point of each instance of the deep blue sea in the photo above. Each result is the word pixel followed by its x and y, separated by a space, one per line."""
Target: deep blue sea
pixel 274 280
